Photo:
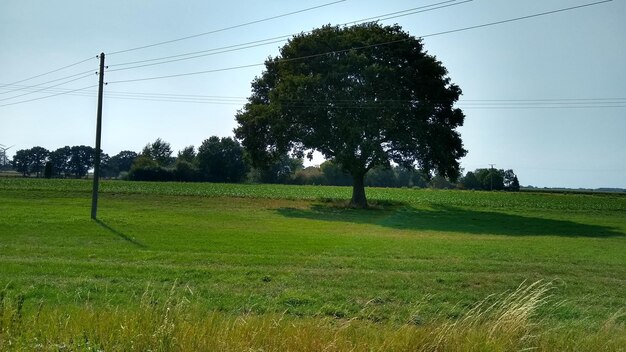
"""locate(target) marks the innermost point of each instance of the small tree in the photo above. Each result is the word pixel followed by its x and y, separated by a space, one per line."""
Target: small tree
pixel 48 170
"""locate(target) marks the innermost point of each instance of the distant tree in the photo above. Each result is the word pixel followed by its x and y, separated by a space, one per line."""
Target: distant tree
pixel 514 186
pixel 81 160
pixel 441 182
pixel 21 161
pixel 381 177
pixel 281 171
pixel 404 176
pixel 335 175
pixel 143 161
pixel 60 160
pixel 360 104
pixel 188 154
pixel 146 169
pixel 490 179
pixel 122 161
pixel 186 171
pixel 511 183
pixel 222 160
pixel 311 175
pixel 38 158
pixel 159 151
pixel 107 169
pixel 469 181
pixel 48 170
pixel 419 178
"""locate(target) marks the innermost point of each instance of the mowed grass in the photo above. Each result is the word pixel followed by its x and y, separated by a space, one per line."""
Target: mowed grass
pixel 418 258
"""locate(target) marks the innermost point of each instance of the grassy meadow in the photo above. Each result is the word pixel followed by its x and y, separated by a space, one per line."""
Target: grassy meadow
pixel 174 266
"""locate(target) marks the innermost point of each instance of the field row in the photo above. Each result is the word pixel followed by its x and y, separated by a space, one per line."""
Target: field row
pixel 384 196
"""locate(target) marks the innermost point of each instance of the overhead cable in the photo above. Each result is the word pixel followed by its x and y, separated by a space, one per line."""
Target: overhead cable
pixel 273 40
pixel 49 96
pixel 516 19
pixel 46 88
pixel 364 46
pixel 47 73
pixel 24 87
pixel 224 29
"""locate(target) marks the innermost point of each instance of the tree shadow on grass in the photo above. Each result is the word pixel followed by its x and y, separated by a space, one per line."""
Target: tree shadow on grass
pixel 120 234
pixel 452 219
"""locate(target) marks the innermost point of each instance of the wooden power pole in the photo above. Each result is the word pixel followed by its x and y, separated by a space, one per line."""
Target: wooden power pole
pixel 96 168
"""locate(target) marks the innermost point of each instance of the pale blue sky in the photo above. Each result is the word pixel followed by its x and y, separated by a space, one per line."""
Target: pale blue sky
pixel 578 54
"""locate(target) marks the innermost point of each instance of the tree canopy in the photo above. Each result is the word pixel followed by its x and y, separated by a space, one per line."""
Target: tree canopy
pixel 364 96
pixel 222 160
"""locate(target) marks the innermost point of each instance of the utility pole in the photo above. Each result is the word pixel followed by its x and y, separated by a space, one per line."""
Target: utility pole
pixel 96 168
pixel 491 176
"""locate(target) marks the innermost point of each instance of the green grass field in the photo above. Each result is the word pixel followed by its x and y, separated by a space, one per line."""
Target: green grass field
pixel 418 259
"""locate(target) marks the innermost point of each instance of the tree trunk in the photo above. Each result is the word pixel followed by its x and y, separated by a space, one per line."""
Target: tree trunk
pixel 358 192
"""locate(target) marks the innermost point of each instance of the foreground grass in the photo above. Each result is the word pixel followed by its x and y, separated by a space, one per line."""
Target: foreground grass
pixel 499 323
pixel 245 256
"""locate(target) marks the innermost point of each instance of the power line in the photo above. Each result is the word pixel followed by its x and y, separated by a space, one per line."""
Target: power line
pixel 466 104
pixel 41 84
pixel 541 107
pixel 516 19
pixel 166 42
pixel 225 29
pixel 186 74
pixel 274 40
pixel 49 96
pixel 45 88
pixel 47 73
pixel 364 46
pixel 396 14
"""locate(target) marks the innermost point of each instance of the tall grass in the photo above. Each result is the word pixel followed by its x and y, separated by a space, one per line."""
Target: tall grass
pixel 504 322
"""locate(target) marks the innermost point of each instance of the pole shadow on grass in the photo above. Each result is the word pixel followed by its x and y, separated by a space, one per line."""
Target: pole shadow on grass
pixel 453 219
pixel 120 234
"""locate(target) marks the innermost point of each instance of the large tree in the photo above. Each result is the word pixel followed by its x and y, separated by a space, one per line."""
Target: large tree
pixel 363 96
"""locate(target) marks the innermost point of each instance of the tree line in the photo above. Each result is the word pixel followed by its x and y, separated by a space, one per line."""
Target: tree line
pixel 66 162
pixel 225 160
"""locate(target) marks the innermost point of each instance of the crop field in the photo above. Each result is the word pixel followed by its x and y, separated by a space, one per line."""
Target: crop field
pixel 175 266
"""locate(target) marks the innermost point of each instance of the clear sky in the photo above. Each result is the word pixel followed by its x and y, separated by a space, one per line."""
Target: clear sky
pixel 545 96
